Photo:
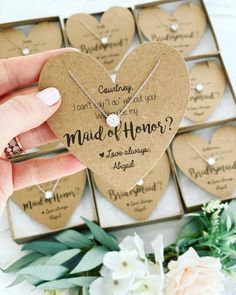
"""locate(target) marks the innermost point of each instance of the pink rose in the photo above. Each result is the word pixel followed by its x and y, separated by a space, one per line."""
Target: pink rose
pixel 194 275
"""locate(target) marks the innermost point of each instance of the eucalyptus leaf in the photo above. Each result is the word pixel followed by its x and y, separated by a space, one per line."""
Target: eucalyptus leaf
pixel 22 262
pixel 33 280
pixel 45 247
pixel 19 279
pixel 40 261
pixel 44 272
pixel 101 236
pixel 74 239
pixel 62 257
pixel 67 283
pixel 91 259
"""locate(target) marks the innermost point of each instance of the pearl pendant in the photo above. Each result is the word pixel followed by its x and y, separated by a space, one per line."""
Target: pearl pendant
pixel 104 40
pixel 199 87
pixel 211 161
pixel 174 27
pixel 48 195
pixel 113 120
pixel 25 51
pixel 140 182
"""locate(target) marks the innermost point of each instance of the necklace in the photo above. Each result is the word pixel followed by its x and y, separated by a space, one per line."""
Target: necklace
pixel 140 182
pixel 103 39
pixel 48 194
pixel 174 26
pixel 211 160
pixel 113 119
pixel 23 50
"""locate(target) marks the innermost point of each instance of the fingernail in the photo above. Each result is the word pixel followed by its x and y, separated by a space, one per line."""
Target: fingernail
pixel 49 96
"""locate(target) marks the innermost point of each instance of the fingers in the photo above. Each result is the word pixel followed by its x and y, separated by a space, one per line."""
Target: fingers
pixel 37 171
pixel 23 113
pixel 6 185
pixel 18 72
pixel 37 136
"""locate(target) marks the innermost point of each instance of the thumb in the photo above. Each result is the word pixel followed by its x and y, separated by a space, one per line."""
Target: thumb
pixel 22 113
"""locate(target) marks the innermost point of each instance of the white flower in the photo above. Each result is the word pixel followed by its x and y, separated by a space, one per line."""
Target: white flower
pixel 158 248
pixel 124 264
pixel 128 271
pixel 192 274
pixel 134 243
pixel 108 286
pixel 150 285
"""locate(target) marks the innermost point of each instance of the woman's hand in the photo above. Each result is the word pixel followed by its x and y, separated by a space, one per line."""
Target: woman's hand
pixel 23 114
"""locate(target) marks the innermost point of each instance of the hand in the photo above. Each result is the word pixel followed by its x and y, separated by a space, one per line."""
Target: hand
pixel 23 113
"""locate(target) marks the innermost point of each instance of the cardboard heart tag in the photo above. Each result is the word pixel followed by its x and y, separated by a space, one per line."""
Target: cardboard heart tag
pixel 117 25
pixel 182 30
pixel 208 83
pixel 43 36
pixel 191 153
pixel 142 199
pixel 125 154
pixel 53 213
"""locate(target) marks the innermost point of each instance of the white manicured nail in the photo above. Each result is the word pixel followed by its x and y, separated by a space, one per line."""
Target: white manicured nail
pixel 49 96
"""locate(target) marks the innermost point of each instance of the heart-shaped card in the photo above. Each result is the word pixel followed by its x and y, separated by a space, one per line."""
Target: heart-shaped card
pixel 54 212
pixel 107 40
pixel 144 197
pixel 183 29
pixel 43 36
pixel 212 165
pixel 124 154
pixel 208 83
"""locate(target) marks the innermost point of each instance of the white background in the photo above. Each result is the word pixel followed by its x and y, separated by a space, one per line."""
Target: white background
pixel 223 16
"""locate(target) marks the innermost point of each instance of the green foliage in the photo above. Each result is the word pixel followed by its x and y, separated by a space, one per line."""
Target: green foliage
pixel 72 260
pixel 67 260
pixel 91 259
pixel 101 236
pixel 212 232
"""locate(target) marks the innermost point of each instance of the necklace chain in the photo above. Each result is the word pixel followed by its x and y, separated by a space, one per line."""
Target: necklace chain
pixel 53 189
pixel 214 158
pixel 164 23
pixel 94 33
pixel 10 41
pixel 105 114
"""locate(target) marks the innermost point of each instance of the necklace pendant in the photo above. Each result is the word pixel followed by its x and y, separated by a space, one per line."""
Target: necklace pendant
pixel 113 120
pixel 174 27
pixel 25 51
pixel 199 87
pixel 140 182
pixel 104 40
pixel 48 195
pixel 211 161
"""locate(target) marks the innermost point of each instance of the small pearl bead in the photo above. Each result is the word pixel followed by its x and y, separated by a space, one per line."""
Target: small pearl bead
pixel 48 195
pixel 113 120
pixel 25 51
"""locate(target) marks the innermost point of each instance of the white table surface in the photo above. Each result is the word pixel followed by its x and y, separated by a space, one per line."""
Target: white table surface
pixel 223 16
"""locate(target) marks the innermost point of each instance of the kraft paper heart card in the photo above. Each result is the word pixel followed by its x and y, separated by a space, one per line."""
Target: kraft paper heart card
pixel 154 198
pixel 29 39
pixel 184 25
pixel 50 206
pixel 107 39
pixel 144 197
pixel 208 83
pixel 208 159
pixel 52 203
pixel 212 97
pixel 120 129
